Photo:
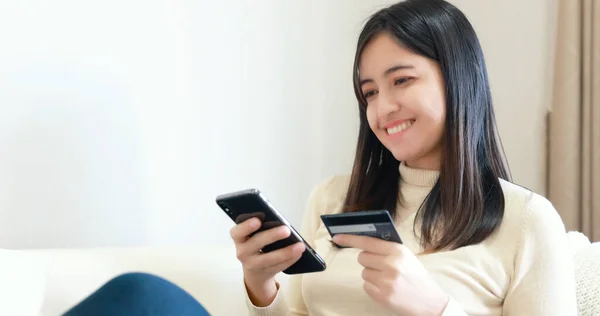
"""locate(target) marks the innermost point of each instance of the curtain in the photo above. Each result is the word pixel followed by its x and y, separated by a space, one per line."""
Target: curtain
pixel 573 177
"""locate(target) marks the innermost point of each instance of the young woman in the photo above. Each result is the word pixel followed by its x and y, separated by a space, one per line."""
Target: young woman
pixel 429 152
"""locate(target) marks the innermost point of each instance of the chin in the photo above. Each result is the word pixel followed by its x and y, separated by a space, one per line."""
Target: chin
pixel 404 155
pixel 401 155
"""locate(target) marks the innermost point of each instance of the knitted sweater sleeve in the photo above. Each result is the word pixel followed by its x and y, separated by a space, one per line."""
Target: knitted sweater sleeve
pixel 543 282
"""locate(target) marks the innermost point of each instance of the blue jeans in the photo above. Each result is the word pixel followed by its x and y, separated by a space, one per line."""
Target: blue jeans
pixel 138 294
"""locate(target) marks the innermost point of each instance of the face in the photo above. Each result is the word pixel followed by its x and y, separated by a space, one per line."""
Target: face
pixel 406 105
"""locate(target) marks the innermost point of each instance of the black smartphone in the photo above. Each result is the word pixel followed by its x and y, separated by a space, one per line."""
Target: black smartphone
pixel 378 224
pixel 243 205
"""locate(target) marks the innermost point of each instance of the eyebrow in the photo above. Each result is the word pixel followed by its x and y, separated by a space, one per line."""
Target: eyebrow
pixel 388 71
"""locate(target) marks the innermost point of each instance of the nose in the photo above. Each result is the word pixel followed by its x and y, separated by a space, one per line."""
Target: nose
pixel 387 104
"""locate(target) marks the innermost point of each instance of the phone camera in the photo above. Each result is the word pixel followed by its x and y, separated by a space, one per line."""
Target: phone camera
pixel 227 209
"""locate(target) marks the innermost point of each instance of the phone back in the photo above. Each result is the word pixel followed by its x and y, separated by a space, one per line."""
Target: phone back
pixel 243 205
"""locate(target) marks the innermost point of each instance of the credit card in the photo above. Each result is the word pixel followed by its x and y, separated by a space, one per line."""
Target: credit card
pixel 378 224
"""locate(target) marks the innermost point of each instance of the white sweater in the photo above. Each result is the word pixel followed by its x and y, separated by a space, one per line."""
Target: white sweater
pixel 524 268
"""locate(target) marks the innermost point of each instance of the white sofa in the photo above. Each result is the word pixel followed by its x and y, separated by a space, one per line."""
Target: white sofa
pixel 48 282
pixel 209 273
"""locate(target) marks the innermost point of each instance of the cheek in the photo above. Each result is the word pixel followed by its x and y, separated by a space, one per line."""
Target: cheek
pixel 436 116
pixel 433 110
pixel 438 105
pixel 372 117
pixel 439 115
pixel 436 119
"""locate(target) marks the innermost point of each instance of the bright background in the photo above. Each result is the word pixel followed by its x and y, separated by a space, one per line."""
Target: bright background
pixel 120 121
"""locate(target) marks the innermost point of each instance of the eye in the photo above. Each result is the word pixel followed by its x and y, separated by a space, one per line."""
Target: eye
pixel 369 93
pixel 401 80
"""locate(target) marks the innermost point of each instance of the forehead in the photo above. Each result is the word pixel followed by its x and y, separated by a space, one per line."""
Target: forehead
pixel 383 52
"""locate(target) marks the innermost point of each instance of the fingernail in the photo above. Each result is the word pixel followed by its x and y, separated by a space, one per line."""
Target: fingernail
pixel 337 239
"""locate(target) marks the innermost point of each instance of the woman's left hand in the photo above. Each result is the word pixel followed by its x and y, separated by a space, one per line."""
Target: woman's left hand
pixel 394 276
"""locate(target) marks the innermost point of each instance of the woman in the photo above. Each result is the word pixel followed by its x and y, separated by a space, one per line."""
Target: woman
pixel 429 152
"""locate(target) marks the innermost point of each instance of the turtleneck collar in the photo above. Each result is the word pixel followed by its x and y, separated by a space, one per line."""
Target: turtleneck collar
pixel 418 177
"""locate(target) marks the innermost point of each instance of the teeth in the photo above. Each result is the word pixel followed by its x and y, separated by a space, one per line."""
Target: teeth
pixel 399 128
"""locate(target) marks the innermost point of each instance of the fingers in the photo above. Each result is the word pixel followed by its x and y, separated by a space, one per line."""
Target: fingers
pixel 370 244
pixel 372 290
pixel 286 264
pixel 248 249
pixel 353 241
pixel 239 233
pixel 372 261
pixel 275 261
pixel 267 237
pixel 377 286
pixel 370 275
pixel 280 259
pixel 263 266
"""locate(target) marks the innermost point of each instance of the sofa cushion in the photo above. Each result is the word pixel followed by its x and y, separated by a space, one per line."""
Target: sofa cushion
pixel 211 274
pixel 23 278
pixel 587 276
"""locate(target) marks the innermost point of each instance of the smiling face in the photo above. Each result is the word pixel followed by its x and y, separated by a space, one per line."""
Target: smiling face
pixel 406 105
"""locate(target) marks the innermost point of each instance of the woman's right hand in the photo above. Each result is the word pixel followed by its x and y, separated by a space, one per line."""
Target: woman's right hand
pixel 260 268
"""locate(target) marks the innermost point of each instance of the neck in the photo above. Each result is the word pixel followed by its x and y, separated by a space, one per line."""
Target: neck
pixel 425 163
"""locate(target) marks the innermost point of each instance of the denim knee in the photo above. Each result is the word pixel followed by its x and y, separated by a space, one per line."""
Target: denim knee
pixel 139 281
pixel 139 293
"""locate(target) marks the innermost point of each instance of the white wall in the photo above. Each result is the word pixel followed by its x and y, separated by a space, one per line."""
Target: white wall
pixel 120 121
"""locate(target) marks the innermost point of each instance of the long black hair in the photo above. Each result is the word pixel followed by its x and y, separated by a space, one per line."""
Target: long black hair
pixel 466 204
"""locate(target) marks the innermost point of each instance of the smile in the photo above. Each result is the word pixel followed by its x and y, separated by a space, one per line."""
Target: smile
pixel 400 127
